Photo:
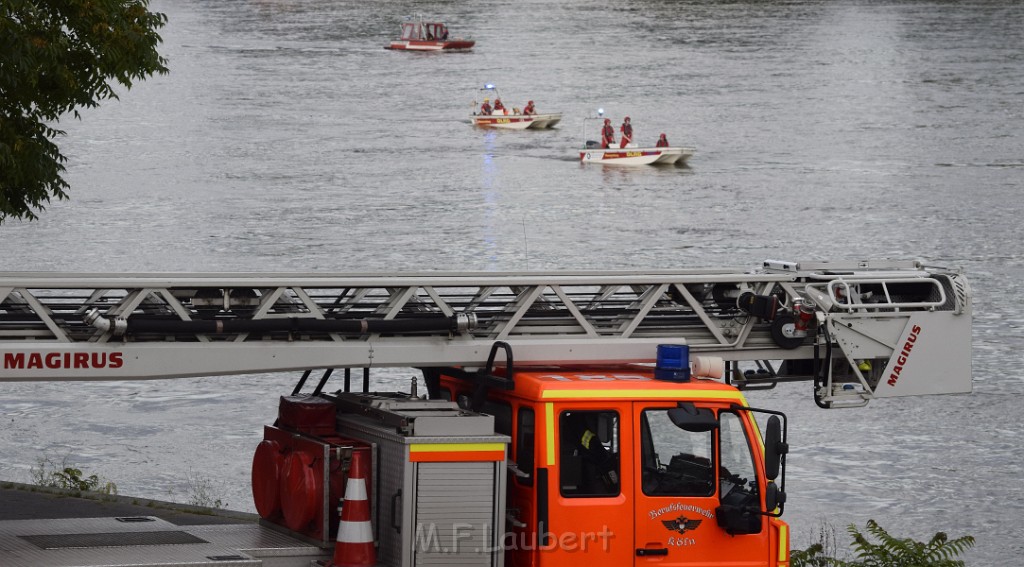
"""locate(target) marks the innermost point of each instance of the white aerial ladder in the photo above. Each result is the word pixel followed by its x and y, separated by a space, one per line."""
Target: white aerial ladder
pixel 858 330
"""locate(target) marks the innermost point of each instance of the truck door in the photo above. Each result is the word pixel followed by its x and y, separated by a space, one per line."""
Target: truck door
pixel 682 478
pixel 589 507
pixel 521 539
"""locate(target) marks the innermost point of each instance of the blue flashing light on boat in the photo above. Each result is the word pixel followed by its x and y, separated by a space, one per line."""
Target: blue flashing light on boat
pixel 489 86
pixel 673 363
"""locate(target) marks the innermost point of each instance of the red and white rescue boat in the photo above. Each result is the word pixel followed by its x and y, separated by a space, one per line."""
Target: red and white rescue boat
pixel 428 36
pixel 634 155
pixel 630 153
pixel 516 121
pixel 500 116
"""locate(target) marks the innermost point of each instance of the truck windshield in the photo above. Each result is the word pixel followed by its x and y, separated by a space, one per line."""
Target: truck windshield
pixel 675 462
pixel 737 477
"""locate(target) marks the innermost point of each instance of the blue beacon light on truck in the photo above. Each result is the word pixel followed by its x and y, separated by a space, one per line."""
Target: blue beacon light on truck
pixel 673 363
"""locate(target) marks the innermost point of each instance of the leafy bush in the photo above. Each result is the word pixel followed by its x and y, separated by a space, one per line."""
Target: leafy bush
pixel 820 554
pixel 201 491
pixel 68 477
pixel 888 551
pixel 891 551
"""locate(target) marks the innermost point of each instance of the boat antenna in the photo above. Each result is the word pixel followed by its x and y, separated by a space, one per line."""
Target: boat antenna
pixel 600 114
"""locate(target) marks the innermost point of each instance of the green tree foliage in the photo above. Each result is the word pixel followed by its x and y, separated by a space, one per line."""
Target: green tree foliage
pixel 57 56
pixel 887 551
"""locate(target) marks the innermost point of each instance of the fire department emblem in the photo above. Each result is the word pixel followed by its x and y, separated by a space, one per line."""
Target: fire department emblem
pixel 682 524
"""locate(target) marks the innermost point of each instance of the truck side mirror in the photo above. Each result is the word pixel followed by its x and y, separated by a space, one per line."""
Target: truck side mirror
pixel 773 497
pixel 774 448
pixel 689 417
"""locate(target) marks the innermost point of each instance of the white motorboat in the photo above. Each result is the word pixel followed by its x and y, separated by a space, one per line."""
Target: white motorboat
pixel 516 121
pixel 500 116
pixel 634 155
pixel 631 153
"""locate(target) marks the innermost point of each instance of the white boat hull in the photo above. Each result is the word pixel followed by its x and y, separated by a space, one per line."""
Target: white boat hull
pixel 516 121
pixel 636 156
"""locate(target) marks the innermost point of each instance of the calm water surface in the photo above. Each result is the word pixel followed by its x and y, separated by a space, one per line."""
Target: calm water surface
pixel 285 138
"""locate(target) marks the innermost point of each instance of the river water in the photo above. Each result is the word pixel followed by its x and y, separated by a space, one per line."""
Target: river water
pixel 286 138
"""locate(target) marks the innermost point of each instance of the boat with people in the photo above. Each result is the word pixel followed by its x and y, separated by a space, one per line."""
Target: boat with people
pixel 493 113
pixel 634 155
pixel 421 35
pixel 625 151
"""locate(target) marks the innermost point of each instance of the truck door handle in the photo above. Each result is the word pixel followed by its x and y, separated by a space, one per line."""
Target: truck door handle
pixel 514 520
pixel 651 551
pixel 395 520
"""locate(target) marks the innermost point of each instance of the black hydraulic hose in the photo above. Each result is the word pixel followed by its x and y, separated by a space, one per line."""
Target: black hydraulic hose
pixel 294 324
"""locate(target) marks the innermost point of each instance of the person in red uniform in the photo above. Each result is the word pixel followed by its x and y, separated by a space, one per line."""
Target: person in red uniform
pixel 485 108
pixel 498 107
pixel 627 132
pixel 662 142
pixel 607 134
pixel 529 108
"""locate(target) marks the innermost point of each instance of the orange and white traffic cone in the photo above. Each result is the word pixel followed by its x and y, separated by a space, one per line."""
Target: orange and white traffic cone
pixel 354 547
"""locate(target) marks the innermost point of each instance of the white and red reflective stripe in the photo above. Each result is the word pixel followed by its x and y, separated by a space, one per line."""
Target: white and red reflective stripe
pixel 355 489
pixel 354 526
pixel 355 532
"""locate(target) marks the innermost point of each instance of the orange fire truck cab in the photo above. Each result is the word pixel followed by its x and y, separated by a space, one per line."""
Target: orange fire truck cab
pixel 633 465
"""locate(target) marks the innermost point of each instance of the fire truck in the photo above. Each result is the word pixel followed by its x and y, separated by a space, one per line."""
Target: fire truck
pixel 553 418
